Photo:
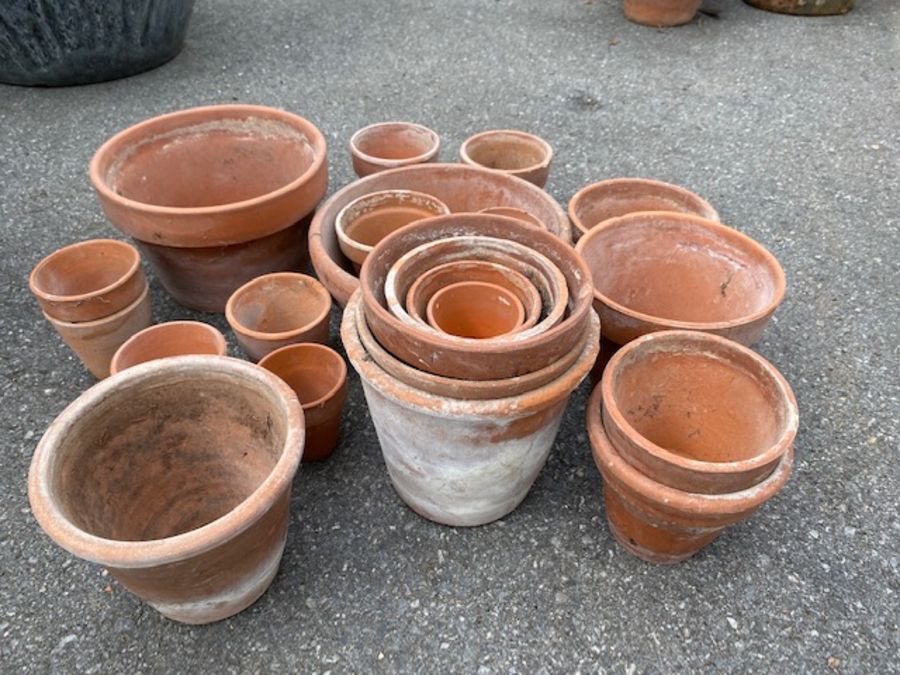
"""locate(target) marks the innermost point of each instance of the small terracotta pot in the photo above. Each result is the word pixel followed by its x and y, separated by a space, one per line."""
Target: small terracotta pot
pixel 318 375
pixel 389 145
pixel 697 412
pixel 661 12
pixel 88 280
pixel 512 212
pixel 515 153
pixel 661 271
pixel 207 192
pixel 95 342
pixel 276 310
pixel 659 523
pixel 804 7
pixel 164 340
pixel 369 219
pixel 176 476
pixel 475 309
pixel 607 199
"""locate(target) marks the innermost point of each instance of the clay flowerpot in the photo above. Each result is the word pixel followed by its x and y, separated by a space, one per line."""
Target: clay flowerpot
pixel 164 340
pixel 88 280
pixel 318 375
pixel 660 271
pixel 607 199
pixel 369 219
pixel 389 145
pixel 95 342
pixel 475 309
pixel 463 462
pixel 461 188
pixel 214 196
pixel 661 12
pixel 659 523
pixel 276 310
pixel 804 7
pixel 176 476
pixel 513 152
pixel 697 412
pixel 512 212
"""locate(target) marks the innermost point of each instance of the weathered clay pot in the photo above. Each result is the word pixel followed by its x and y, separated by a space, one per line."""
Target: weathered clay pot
pixel 463 462
pixel 620 196
pixel 318 375
pixel 276 310
pixel 475 309
pixel 697 412
pixel 389 145
pixel 164 340
pixel 176 476
pixel 88 280
pixel 659 523
pixel 95 342
pixel 659 271
pixel 512 212
pixel 461 188
pixel 661 12
pixel 215 196
pixel 804 7
pixel 516 153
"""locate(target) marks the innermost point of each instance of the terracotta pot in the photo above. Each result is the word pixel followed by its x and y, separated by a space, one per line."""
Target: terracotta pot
pixel 275 310
pixel 88 280
pixel 697 412
pixel 461 188
pixel 389 145
pixel 95 342
pixel 607 199
pixel 475 309
pixel 318 375
pixel 176 476
pixel 164 340
pixel 490 359
pixel 660 271
pixel 204 188
pixel 661 12
pixel 463 462
pixel 368 219
pixel 804 7
pixel 515 153
pixel 511 212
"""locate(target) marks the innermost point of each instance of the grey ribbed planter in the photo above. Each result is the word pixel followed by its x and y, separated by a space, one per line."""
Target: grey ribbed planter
pixel 62 42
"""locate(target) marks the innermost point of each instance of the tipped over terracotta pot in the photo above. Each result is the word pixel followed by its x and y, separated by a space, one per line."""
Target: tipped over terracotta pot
pixel 661 12
pixel 516 153
pixel 389 145
pixel 164 340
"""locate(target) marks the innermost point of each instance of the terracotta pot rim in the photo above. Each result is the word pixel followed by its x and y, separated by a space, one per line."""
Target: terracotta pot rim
pixel 215 333
pixel 126 554
pixel 787 401
pixel 581 195
pixel 78 325
pixel 252 333
pixel 395 163
pixel 748 242
pixel 545 147
pixel 328 353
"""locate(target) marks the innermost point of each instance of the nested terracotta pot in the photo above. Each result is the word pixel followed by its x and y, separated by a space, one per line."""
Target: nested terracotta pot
pixel 662 524
pixel 164 340
pixel 661 12
pixel 475 309
pixel 462 188
pixel 176 476
pixel 318 376
pixel 214 196
pixel 389 145
pixel 516 153
pixel 463 462
pixel 804 7
pixel 95 342
pixel 657 271
pixel 88 280
pixel 275 310
pixel 512 212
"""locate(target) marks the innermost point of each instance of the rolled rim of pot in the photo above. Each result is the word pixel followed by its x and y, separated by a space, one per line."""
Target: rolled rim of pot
pixel 723 233
pixel 160 224
pixel 545 149
pixel 126 554
pixel 389 127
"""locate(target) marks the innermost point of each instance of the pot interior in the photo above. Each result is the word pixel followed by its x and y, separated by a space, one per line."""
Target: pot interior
pixel 312 372
pixel 278 305
pixel 475 310
pixel 505 152
pixel 395 142
pixel 84 269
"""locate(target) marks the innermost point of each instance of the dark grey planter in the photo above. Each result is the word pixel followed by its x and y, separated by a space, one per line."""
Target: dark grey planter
pixel 61 42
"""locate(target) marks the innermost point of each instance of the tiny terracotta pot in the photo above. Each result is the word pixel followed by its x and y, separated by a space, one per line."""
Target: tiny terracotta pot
pixel 389 145
pixel 88 280
pixel 607 199
pixel 475 309
pixel 176 476
pixel 657 271
pixel 661 12
pixel 516 153
pixel 95 342
pixel 275 310
pixel 804 7
pixel 512 212
pixel 164 340
pixel 368 219
pixel 318 375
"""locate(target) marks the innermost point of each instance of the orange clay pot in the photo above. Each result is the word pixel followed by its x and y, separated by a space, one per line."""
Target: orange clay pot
pixel 164 340
pixel 516 153
pixel 389 145
pixel 661 12
pixel 475 309
pixel 804 7
pixel 512 212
